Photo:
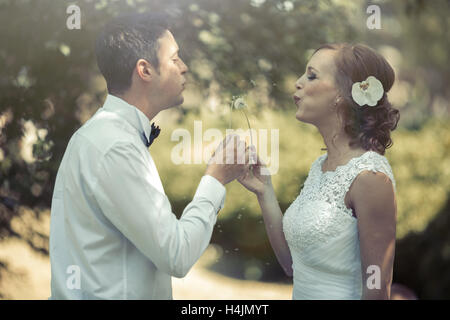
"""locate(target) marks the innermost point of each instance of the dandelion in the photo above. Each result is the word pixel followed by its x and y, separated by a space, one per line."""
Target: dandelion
pixel 239 103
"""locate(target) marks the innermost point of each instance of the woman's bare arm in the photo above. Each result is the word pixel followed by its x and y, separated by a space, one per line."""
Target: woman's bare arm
pixel 373 199
pixel 273 218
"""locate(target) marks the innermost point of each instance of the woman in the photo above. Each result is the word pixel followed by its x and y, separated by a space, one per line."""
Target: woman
pixel 337 239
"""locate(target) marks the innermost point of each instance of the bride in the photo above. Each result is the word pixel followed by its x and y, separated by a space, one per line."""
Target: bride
pixel 337 239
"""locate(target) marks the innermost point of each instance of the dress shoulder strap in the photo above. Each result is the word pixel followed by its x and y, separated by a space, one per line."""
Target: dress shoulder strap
pixel 371 161
pixel 338 183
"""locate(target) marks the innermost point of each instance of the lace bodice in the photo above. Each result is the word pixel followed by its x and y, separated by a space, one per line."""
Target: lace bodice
pixel 319 223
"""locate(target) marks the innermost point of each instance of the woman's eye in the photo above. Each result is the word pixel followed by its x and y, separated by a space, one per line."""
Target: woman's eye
pixel 312 76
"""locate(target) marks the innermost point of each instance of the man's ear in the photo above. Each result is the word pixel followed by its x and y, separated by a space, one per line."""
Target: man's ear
pixel 144 70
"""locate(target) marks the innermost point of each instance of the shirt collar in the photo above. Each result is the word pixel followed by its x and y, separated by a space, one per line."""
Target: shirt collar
pixel 130 113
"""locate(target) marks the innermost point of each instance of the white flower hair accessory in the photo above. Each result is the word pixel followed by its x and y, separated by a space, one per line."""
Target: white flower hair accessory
pixel 367 92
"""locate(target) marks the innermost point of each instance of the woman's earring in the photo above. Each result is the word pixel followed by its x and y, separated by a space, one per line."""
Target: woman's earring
pixel 337 101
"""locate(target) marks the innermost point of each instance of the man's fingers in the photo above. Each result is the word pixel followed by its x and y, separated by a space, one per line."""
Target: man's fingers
pixel 243 176
pixel 241 154
pixel 234 150
pixel 230 139
pixel 221 149
pixel 253 156
pixel 259 162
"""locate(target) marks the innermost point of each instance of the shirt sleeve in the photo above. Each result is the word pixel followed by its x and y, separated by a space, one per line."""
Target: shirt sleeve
pixel 127 195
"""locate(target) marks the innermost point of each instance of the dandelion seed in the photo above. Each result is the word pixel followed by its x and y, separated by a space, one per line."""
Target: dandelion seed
pixel 239 103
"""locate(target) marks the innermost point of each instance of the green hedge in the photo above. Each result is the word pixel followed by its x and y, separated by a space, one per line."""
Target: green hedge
pixel 420 161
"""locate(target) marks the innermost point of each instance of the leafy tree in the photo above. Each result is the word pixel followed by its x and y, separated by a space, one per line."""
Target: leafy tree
pixel 49 81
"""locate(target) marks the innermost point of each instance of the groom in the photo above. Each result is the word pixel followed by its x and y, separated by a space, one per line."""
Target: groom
pixel 113 234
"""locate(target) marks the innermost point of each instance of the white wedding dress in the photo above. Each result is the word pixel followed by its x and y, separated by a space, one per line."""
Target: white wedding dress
pixel 322 234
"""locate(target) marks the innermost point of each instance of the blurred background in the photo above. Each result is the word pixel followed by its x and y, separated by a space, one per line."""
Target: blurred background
pixel 50 85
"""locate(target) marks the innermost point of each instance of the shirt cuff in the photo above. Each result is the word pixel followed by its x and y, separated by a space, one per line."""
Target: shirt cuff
pixel 211 189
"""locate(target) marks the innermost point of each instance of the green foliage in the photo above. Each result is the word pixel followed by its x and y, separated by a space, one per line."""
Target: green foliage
pixel 233 47
pixel 419 159
pixel 421 164
pixel 48 71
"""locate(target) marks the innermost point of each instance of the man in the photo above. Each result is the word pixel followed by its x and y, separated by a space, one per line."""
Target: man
pixel 113 234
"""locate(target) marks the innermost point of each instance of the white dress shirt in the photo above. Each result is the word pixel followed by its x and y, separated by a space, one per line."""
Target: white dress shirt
pixel 113 234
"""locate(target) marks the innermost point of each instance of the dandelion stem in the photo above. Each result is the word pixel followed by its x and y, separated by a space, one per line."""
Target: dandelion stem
pixel 231 113
pixel 250 128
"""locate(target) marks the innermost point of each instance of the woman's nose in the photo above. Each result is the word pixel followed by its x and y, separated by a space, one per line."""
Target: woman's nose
pixel 298 85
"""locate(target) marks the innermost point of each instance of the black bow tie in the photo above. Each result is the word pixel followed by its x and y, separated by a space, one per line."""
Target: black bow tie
pixel 153 135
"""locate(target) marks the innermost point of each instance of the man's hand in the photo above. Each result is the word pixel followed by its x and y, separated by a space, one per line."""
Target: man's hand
pixel 229 161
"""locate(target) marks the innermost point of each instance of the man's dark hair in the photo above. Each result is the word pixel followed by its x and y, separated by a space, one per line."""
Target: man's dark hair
pixel 125 40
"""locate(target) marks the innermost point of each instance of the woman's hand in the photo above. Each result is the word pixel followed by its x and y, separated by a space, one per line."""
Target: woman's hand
pixel 257 179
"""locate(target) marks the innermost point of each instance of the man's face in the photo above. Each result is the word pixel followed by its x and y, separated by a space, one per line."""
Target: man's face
pixel 171 80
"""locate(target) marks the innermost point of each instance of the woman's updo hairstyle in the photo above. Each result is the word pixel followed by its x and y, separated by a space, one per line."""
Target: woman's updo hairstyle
pixel 368 127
